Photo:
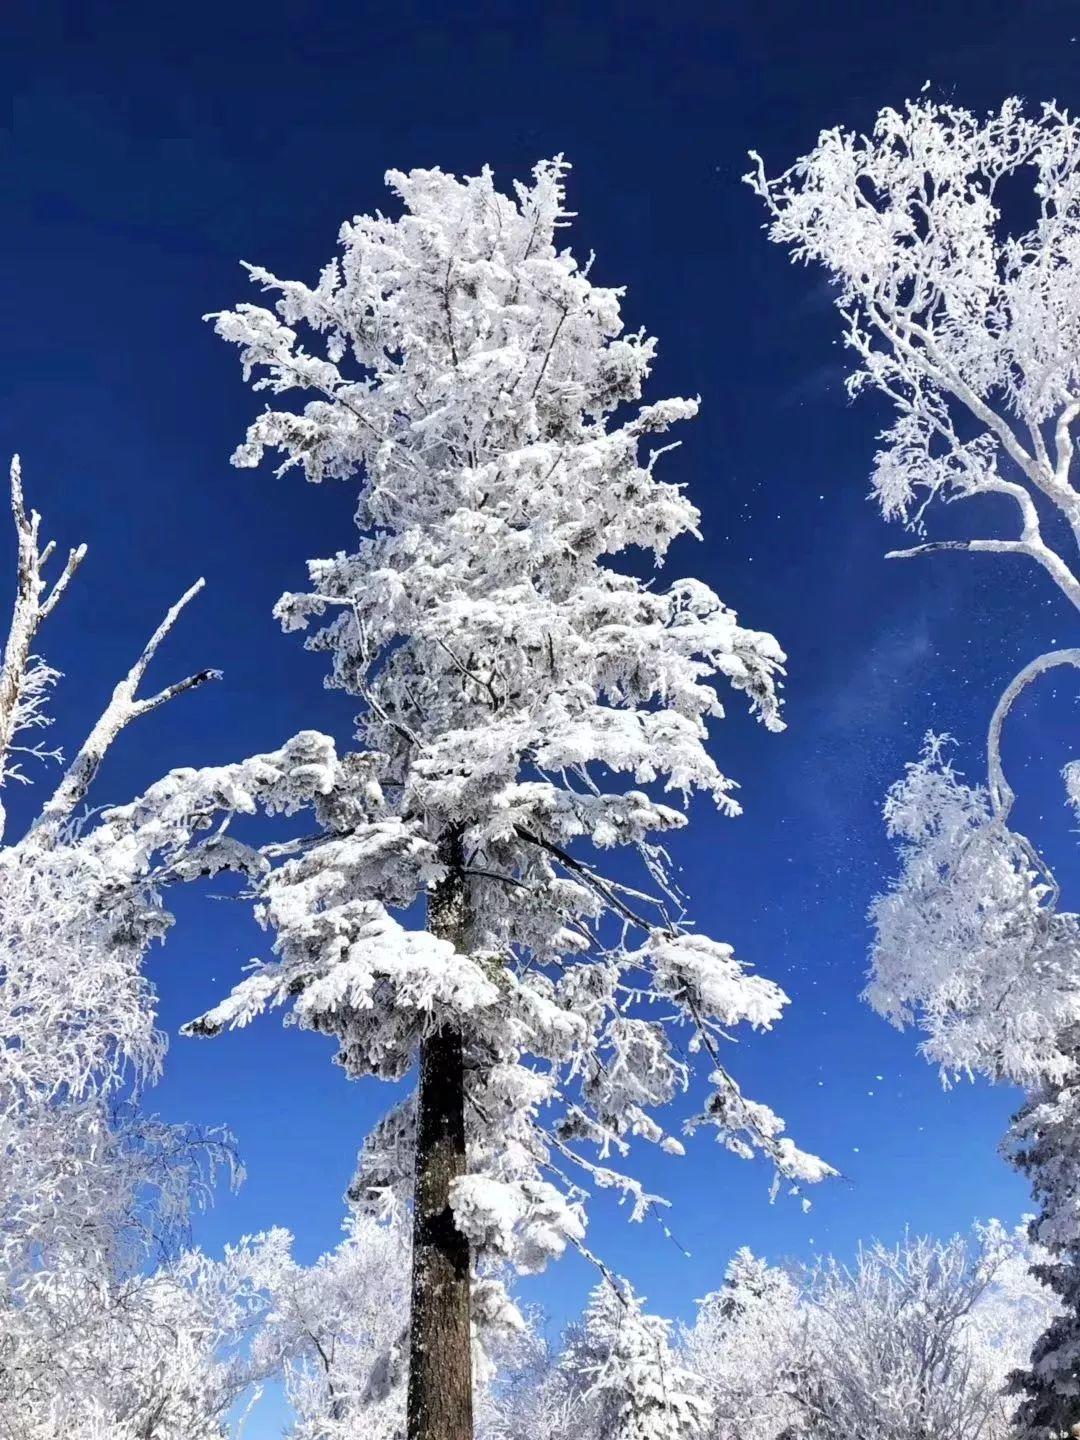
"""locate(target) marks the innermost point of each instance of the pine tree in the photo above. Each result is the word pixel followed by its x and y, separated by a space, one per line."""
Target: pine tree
pixel 632 1385
pixel 1042 1143
pixel 520 699
pixel 749 1347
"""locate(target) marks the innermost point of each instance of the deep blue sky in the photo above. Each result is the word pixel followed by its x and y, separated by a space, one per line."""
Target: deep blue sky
pixel 146 148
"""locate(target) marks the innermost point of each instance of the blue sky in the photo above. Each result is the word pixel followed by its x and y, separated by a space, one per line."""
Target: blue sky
pixel 146 149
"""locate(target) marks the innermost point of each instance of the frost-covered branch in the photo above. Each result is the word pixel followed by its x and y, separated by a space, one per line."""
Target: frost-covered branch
pixel 124 707
pixel 24 679
pixel 968 329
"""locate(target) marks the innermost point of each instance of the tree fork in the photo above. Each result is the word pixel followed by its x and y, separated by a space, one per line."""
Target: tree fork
pixel 440 1405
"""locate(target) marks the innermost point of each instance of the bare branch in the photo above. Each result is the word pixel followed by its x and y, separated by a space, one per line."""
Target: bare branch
pixel 19 702
pixel 1036 549
pixel 120 711
pixel 74 560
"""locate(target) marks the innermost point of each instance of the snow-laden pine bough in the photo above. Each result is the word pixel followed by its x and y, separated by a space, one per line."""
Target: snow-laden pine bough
pixel 968 325
pixel 523 703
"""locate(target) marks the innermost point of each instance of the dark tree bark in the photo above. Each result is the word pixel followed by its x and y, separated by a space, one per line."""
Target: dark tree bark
pixel 440 1403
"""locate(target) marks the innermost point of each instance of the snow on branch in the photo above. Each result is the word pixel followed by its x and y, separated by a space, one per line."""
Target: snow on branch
pixel 24 678
pixel 969 942
pixel 124 707
pixel 1001 792
pixel 968 328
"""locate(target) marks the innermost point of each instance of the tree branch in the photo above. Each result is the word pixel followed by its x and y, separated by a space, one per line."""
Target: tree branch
pixel 1063 442
pixel 596 883
pixel 1053 482
pixel 28 612
pixel 1001 793
pixel 120 711
pixel 55 595
pixel 933 547
pixel 1035 549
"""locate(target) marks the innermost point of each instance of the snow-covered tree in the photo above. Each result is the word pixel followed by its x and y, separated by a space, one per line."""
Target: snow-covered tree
pixel 181 1350
pixel 968 325
pixel 80 905
pixel 911 1342
pixel 1044 1142
pixel 617 1377
pixel 748 1346
pixel 532 1395
pixel 521 699
pixel 92 1188
pixel 969 941
pixel 628 1380
pixel 968 328
pixel 336 1330
pixel 156 1354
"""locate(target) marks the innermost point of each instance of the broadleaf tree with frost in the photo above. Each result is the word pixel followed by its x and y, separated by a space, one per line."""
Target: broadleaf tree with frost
pixel 918 1339
pixel 92 1187
pixel 521 699
pixel 909 1341
pixel 334 1331
pixel 969 327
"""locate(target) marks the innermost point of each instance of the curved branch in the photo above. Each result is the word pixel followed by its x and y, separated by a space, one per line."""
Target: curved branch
pixel 1063 443
pixel 1001 793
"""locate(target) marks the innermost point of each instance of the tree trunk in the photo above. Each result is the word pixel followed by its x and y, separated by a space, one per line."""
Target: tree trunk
pixel 440 1339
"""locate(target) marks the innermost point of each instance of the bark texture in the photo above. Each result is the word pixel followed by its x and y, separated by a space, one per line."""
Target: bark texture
pixel 440 1405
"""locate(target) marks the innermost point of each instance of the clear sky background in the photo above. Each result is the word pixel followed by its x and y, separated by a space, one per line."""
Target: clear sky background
pixel 145 149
